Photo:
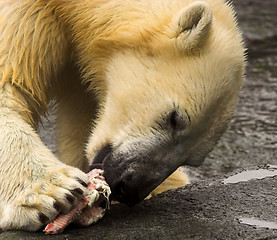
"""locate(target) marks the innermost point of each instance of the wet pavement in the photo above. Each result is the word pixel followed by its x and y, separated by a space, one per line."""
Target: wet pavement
pixel 234 193
pixel 260 173
pixel 205 210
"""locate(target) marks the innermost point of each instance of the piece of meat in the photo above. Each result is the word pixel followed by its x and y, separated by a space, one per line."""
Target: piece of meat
pixel 89 210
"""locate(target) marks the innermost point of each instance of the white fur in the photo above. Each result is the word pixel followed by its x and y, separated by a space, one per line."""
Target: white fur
pixel 115 68
pixel 32 179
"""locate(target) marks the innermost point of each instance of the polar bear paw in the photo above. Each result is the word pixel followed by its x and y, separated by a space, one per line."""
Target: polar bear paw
pixel 58 191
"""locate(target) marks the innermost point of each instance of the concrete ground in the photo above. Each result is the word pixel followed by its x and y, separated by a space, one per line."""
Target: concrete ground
pixel 233 195
pixel 208 209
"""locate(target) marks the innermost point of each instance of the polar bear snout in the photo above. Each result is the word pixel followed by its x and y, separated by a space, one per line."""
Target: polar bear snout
pixel 127 188
pixel 126 191
pixel 125 185
pixel 133 177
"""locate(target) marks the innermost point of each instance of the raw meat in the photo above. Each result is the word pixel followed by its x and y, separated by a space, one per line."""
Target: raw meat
pixel 89 210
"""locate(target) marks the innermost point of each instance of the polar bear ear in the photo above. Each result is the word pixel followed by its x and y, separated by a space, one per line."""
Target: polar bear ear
pixel 193 26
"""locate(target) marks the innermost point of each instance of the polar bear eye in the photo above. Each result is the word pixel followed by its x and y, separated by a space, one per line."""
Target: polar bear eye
pixel 175 120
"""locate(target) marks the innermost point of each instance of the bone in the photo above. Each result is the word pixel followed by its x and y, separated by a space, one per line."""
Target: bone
pixel 87 211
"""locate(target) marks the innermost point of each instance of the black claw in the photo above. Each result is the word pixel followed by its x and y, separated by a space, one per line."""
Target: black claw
pixel 58 206
pixel 82 182
pixel 77 191
pixel 70 198
pixel 43 218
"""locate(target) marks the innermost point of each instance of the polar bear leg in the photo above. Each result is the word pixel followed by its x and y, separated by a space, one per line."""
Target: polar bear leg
pixel 34 184
pixel 75 112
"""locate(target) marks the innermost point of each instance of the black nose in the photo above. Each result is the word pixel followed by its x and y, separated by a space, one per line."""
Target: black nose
pixel 128 185
pixel 125 192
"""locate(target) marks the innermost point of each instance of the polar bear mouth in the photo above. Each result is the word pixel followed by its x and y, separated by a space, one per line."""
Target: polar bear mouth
pixel 100 156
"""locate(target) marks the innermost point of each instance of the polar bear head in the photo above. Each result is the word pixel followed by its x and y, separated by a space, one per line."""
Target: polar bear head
pixel 171 85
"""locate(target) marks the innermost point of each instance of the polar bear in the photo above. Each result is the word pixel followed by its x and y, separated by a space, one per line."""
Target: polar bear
pixel 142 87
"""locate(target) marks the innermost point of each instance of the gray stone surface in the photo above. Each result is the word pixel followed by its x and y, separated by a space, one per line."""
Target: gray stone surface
pixel 204 210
